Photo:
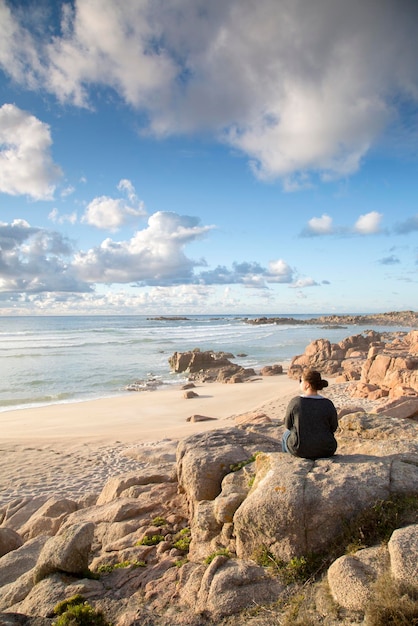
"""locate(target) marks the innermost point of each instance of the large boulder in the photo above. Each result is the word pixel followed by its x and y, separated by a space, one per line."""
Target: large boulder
pixel 48 518
pixel 194 360
pixel 66 552
pixel 209 366
pixel 298 506
pixel 9 540
pixel 16 513
pixel 351 577
pixel 227 586
pixel 377 435
pixel 403 551
pixel 204 459
pixel 21 560
pixel 154 474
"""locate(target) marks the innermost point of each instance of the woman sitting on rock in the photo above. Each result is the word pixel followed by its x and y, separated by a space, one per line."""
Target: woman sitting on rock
pixel 311 420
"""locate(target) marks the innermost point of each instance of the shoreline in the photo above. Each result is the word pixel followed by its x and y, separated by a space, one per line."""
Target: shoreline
pixel 143 415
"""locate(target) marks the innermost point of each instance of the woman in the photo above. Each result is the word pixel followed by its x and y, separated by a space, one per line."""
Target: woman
pixel 311 420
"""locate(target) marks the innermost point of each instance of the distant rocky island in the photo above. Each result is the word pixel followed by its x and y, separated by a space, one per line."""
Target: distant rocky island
pixel 394 318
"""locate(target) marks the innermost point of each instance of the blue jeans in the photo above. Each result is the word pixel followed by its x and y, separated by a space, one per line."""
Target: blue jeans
pixel 284 441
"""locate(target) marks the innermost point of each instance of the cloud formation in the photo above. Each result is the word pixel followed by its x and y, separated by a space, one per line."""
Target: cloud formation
pixel 389 260
pixel 154 255
pixel 111 213
pixel 408 226
pixel 300 88
pixel 33 260
pixel 26 165
pixel 367 224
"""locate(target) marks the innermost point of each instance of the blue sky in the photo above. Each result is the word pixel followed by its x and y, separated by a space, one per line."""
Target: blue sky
pixel 184 156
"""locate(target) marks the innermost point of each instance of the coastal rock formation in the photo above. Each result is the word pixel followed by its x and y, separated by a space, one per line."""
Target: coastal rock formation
pixel 209 366
pixel 393 318
pixel 271 370
pixel 190 541
pixel 378 365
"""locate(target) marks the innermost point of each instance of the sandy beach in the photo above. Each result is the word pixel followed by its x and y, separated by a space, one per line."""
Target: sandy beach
pixel 72 449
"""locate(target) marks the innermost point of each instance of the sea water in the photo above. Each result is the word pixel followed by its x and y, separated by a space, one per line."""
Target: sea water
pixel 47 360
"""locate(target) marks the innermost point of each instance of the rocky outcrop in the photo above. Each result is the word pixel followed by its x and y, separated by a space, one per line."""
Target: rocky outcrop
pixel 378 365
pixel 209 366
pixel 180 540
pixel 271 370
pixel 394 318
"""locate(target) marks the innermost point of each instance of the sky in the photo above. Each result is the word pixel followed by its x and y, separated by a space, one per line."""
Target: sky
pixel 177 157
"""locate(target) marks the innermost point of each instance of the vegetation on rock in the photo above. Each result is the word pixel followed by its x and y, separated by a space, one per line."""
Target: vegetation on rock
pixel 75 611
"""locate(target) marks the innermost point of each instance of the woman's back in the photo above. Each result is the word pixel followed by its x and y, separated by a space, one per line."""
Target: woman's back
pixel 312 421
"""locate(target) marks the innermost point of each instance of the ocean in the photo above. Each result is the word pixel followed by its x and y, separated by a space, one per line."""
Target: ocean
pixel 48 360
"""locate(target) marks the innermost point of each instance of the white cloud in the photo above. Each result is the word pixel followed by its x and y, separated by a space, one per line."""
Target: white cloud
pixel 26 165
pixel 298 87
pixel 320 225
pixel 280 272
pixel 112 213
pixel 33 260
pixel 369 223
pixel 153 255
pixel 302 283
pixel 55 217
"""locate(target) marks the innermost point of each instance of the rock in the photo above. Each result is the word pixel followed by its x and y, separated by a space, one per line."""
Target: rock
pixel 205 458
pixel 66 552
pixel 404 407
pixel 298 506
pixel 17 619
pixel 200 418
pixel 119 510
pixel 377 435
pixel 271 370
pixel 21 560
pixel 149 475
pixel 17 512
pixel 382 363
pixel 9 540
pixel 16 591
pixel 228 586
pixel 347 410
pixel 194 361
pixel 350 577
pixel 48 518
pixel 48 592
pixel 393 318
pixel 403 551
pixel 208 366
pixel 190 394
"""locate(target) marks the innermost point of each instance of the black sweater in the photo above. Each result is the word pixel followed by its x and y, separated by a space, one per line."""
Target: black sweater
pixel 312 422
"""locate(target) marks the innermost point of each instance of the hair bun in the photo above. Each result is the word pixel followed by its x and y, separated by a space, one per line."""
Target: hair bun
pixel 313 377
